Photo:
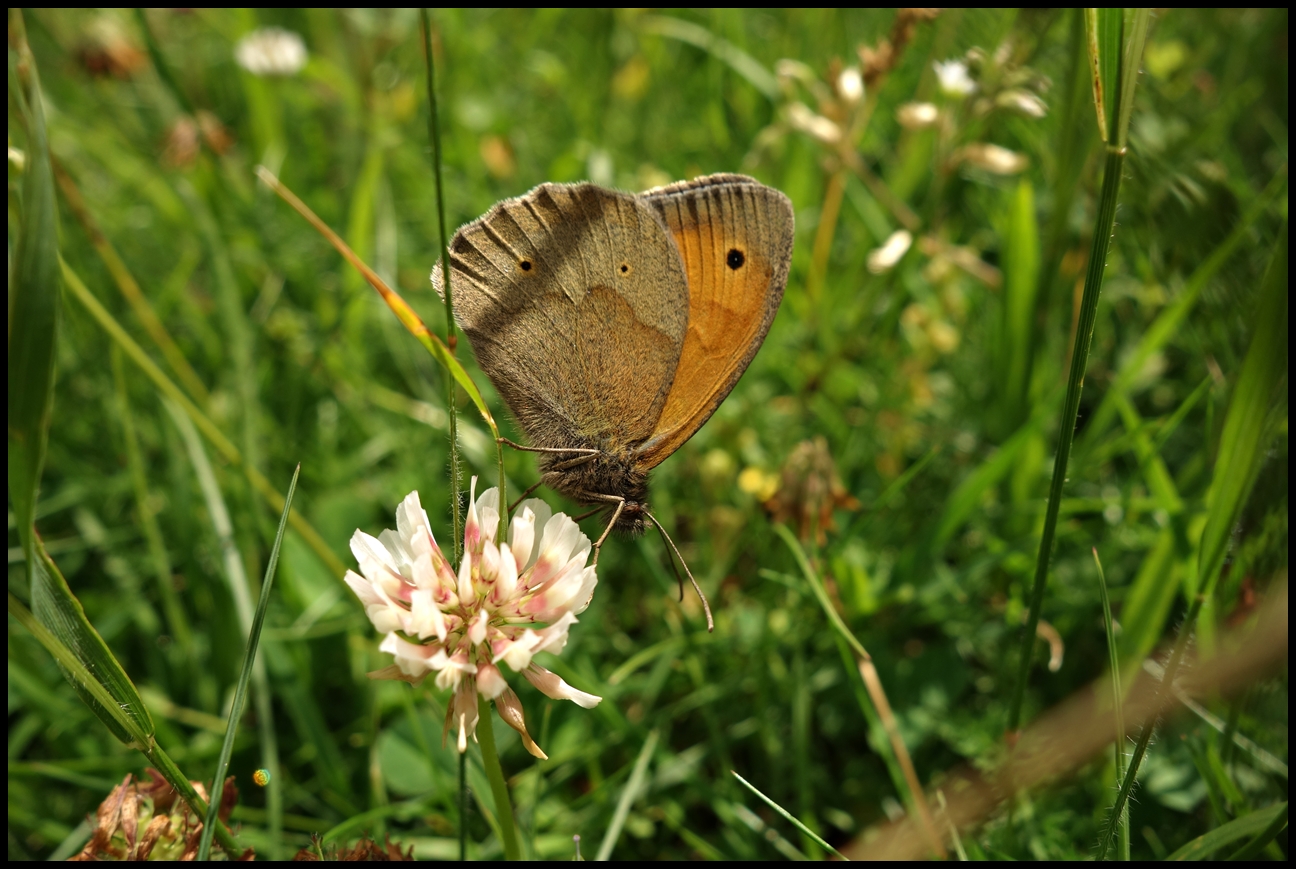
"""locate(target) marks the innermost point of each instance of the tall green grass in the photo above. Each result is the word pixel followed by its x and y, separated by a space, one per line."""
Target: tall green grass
pixel 210 338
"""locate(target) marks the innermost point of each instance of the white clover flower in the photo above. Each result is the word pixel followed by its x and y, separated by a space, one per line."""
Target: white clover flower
pixel 271 51
pixel 506 603
pixel 954 78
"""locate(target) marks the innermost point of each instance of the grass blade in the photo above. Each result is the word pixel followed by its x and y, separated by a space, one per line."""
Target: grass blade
pixel 1241 447
pixel 130 288
pixel 788 815
pixel 1118 700
pixel 1257 824
pixel 1253 848
pixel 245 674
pixel 726 52
pixel 204 423
pixel 1021 293
pixel 34 303
pixel 630 793
pixel 1245 430
pixel 34 315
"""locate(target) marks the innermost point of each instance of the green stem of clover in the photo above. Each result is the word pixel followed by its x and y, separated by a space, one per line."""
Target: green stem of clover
pixel 495 775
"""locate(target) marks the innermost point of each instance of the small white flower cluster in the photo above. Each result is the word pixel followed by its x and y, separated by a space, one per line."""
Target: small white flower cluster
pixel 954 79
pixel 507 602
pixel 271 51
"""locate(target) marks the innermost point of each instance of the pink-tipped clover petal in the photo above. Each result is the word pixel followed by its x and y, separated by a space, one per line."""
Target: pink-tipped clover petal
pixel 551 685
pixel 490 681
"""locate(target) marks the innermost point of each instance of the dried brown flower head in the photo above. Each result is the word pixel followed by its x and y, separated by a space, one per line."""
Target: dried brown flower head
pixel 810 491
pixel 146 821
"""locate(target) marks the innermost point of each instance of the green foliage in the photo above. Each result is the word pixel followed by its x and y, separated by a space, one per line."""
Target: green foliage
pixel 936 382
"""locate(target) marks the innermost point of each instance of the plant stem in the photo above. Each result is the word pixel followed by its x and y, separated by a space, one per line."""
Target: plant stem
pixel 495 775
pixel 463 808
pixel 1075 383
pixel 434 135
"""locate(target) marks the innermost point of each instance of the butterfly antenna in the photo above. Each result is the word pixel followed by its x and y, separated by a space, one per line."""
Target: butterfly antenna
pixel 525 495
pixel 706 607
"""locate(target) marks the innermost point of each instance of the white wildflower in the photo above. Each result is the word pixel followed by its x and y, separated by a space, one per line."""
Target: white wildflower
pixel 507 602
pixel 954 78
pixel 271 51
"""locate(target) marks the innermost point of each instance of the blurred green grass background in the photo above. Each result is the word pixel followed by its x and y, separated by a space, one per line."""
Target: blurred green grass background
pixel 900 417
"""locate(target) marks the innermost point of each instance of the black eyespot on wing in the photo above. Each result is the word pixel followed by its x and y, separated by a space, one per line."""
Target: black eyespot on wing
pixel 525 265
pixel 625 268
pixel 735 259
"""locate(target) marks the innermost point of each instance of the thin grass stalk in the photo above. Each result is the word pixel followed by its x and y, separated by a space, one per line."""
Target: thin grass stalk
pixel 824 234
pixel 452 339
pixel 245 675
pixel 130 288
pixel 630 793
pixel 806 831
pixel 177 622
pixel 1118 703
pixel 452 342
pixel 877 731
pixel 160 65
pixel 1070 410
pixel 495 775
pixel 209 429
pixel 236 576
pixel 915 798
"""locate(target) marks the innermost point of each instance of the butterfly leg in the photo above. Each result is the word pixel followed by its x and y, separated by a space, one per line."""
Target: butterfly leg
pixel 591 453
pixel 616 514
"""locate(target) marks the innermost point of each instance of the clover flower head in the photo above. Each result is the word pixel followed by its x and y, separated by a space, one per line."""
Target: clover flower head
pixel 507 601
